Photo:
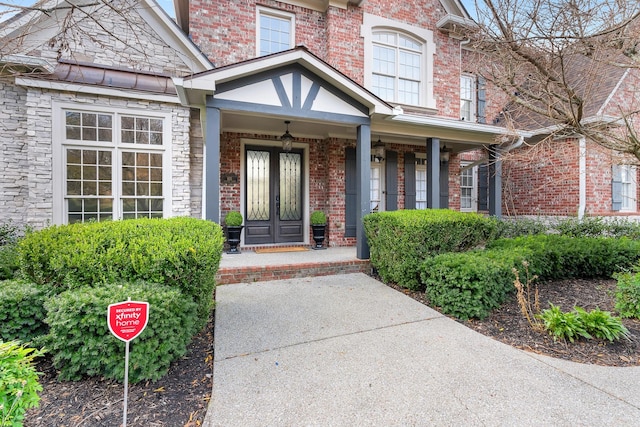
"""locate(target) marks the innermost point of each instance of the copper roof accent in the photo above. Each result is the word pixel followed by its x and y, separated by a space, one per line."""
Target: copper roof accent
pixel 114 78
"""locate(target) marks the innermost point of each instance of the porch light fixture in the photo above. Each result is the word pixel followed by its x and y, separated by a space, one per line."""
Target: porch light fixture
pixel 287 139
pixel 377 151
pixel 444 154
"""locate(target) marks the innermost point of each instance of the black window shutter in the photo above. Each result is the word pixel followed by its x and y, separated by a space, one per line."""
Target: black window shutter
pixel 483 188
pixel 616 188
pixel 409 181
pixel 391 181
pixel 350 184
pixel 482 100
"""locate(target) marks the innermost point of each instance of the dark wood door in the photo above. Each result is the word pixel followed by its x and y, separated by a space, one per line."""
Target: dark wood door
pixel 274 199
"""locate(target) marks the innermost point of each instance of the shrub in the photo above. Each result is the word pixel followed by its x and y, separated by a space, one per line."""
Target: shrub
pixel 22 311
pixel 9 259
pixel 318 218
pixel 82 344
pixel 19 385
pixel 598 227
pixel 563 325
pixel 556 257
pixel 400 240
pixel 628 294
pixel 516 227
pixel 179 252
pixel 470 284
pixel 233 219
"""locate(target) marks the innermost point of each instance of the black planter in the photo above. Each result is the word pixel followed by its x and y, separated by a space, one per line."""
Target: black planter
pixel 233 238
pixel 318 236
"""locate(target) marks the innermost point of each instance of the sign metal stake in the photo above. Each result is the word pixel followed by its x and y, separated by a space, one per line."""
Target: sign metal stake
pixel 126 321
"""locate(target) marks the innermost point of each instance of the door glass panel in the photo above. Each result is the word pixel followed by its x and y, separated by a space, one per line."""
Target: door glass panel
pixel 376 187
pixel 290 186
pixel 258 185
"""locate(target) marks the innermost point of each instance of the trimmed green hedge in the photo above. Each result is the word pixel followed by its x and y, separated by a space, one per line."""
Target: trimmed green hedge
pixel 400 240
pixel 22 310
pixel 471 284
pixel 180 252
pixel 82 344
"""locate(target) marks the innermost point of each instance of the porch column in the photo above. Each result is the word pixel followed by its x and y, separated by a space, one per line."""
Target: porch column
pixel 495 183
pixel 363 187
pixel 211 190
pixel 433 173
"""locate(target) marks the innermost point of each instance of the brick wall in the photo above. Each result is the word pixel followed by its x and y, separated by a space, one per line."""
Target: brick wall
pixel 226 32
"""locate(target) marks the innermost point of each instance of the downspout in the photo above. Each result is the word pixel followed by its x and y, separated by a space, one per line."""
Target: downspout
pixel 582 166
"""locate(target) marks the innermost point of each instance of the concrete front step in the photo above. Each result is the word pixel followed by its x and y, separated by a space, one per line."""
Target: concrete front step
pixel 250 274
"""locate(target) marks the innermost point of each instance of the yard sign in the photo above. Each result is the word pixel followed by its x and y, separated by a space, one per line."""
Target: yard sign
pixel 126 321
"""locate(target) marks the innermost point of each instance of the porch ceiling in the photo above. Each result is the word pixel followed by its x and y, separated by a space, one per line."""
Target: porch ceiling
pixel 389 132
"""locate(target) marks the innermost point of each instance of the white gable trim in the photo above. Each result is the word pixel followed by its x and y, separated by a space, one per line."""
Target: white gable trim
pixel 192 90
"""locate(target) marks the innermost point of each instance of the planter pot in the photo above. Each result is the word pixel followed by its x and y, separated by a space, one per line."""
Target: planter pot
pixel 233 238
pixel 318 236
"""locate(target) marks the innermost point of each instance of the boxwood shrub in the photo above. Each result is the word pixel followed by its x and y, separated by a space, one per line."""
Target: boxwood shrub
pixel 179 252
pixel 400 240
pixel 471 284
pixel 82 344
pixel 628 294
pixel 22 310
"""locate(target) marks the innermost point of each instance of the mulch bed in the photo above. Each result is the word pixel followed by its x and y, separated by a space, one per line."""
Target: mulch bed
pixel 507 324
pixel 179 399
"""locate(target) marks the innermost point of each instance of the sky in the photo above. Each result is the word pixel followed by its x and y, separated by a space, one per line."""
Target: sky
pixel 168 6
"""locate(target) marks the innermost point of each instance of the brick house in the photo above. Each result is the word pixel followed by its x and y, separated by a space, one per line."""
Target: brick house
pixel 143 117
pixel 572 175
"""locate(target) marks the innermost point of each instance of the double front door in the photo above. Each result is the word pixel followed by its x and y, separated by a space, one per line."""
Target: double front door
pixel 274 195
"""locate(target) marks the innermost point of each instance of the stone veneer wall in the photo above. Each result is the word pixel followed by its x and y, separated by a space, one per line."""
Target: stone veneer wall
pixel 27 145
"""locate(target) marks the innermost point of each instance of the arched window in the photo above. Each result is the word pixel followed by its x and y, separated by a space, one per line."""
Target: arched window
pixel 397 67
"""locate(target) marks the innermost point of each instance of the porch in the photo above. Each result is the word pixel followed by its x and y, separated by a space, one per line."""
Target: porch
pixel 251 266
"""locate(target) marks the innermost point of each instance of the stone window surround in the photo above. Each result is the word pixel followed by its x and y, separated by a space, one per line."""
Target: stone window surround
pixel 59 143
pixel 373 23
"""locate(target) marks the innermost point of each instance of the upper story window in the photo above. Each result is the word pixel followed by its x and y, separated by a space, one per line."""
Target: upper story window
pixel 397 67
pixel 110 165
pixel 275 31
pixel 467 98
pixel 398 61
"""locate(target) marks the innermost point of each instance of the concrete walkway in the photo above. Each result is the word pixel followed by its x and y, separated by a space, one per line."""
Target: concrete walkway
pixel 349 351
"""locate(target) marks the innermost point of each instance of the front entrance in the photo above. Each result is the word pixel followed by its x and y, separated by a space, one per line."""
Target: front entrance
pixel 274 196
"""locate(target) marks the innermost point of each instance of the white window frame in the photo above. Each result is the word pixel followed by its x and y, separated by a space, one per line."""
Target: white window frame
pixel 473 188
pixel 380 167
pixel 421 167
pixel 472 99
pixel 373 23
pixel 60 144
pixel 628 188
pixel 277 14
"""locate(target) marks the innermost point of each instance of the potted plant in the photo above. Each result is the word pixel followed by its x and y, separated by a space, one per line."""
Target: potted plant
pixel 318 225
pixel 233 223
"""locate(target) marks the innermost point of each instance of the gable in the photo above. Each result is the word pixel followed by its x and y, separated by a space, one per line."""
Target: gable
pixel 290 90
pixel 127 35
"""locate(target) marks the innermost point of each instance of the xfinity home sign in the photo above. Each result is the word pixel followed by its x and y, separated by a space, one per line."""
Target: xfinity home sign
pixel 127 319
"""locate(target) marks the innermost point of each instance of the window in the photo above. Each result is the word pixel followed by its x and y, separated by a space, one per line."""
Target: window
pixel 398 61
pixel 112 166
pixel 467 98
pixel 468 188
pixel 628 187
pixel 397 69
pixel 275 31
pixel 377 202
pixel 421 184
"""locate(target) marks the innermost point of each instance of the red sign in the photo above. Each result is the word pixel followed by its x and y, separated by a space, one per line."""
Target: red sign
pixel 127 319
